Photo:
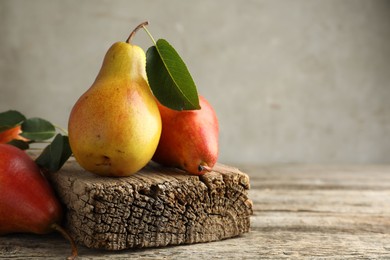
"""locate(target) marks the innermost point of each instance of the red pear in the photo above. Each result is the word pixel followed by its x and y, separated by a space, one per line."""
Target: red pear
pixel 27 201
pixel 189 139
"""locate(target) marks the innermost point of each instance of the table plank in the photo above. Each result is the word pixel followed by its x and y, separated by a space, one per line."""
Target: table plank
pixel 300 211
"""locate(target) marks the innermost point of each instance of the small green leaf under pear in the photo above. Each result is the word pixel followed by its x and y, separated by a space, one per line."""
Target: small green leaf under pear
pixel 20 144
pixel 55 154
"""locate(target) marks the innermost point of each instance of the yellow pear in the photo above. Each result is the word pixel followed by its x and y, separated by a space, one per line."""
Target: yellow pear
pixel 115 126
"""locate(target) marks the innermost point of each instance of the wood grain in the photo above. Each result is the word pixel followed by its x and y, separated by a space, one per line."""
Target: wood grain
pixel 156 207
pixel 300 212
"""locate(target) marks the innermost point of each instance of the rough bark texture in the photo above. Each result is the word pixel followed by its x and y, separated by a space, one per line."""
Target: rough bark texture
pixel 155 207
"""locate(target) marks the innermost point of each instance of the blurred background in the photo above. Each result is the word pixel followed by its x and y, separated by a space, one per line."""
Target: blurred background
pixel 291 81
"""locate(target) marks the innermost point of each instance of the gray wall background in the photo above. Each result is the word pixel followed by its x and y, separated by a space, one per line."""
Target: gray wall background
pixel 291 81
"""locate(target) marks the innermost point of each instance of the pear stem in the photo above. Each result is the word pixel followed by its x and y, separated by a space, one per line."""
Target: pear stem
pixel 66 235
pixel 142 25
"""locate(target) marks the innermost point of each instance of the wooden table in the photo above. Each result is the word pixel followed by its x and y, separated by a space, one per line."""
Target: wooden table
pixel 300 211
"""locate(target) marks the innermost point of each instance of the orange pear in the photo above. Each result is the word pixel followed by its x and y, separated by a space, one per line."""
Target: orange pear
pixel 189 139
pixel 11 134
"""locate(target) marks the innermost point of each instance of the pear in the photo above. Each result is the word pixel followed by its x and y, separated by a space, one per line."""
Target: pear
pixel 27 201
pixel 11 134
pixel 115 126
pixel 189 139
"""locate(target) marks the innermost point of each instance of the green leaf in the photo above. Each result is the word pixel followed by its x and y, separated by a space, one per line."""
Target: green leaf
pixel 10 119
pixel 20 144
pixel 37 129
pixel 55 154
pixel 169 78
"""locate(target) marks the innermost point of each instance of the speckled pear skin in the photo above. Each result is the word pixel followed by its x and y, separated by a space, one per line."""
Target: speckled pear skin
pixel 115 126
pixel 189 139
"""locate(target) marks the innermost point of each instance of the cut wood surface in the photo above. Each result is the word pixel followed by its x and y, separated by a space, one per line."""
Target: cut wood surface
pixel 158 206
pixel 299 211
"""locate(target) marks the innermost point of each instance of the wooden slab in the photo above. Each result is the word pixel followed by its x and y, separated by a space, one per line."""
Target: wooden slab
pixel 156 207
pixel 299 212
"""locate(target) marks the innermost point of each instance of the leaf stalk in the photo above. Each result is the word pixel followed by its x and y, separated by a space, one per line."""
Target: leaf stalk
pixel 149 34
